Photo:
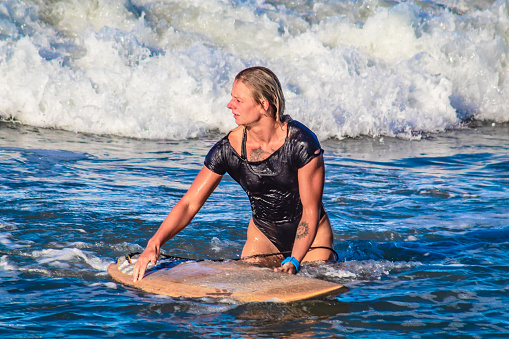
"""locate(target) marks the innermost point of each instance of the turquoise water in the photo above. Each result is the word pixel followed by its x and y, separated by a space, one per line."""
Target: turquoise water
pixel 420 228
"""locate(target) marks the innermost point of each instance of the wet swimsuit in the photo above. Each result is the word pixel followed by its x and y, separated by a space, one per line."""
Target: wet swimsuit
pixel 271 184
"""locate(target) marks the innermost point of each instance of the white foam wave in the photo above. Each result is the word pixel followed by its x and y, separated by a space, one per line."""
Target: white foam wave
pixel 5 265
pixel 110 285
pixel 64 257
pixel 164 69
pixel 8 243
pixel 356 270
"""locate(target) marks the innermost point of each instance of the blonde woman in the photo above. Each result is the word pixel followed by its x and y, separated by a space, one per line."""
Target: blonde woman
pixel 279 164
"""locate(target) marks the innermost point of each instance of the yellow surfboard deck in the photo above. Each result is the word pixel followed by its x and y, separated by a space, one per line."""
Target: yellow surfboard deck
pixel 236 280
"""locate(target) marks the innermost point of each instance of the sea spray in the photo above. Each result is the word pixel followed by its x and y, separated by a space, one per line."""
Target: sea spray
pixel 163 70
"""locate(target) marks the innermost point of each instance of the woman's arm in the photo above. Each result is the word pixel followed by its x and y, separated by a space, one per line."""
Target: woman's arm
pixel 311 181
pixel 179 217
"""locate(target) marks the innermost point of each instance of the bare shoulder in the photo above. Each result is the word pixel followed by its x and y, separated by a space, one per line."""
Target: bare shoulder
pixel 235 138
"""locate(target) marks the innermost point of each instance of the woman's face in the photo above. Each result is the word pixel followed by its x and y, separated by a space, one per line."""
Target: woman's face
pixel 244 108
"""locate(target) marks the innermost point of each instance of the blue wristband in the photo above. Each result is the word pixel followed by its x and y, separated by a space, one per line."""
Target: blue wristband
pixel 294 261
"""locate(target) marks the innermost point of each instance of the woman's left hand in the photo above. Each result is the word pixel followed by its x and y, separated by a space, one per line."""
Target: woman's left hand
pixel 286 268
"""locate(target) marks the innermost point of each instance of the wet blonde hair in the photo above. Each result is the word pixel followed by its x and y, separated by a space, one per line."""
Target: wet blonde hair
pixel 264 84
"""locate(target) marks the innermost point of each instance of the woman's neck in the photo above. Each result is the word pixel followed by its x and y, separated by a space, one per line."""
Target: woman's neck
pixel 265 131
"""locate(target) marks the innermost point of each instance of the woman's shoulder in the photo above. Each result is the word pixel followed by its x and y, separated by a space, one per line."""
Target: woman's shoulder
pixel 226 139
pixel 219 155
pixel 236 132
pixel 235 138
pixel 299 130
pixel 304 144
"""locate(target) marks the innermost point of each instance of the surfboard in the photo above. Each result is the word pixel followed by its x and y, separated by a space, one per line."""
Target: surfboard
pixel 235 280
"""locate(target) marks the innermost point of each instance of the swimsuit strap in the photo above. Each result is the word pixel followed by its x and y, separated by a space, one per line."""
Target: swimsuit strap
pixel 243 152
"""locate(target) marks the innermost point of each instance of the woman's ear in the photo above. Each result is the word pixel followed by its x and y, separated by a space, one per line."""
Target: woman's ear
pixel 265 105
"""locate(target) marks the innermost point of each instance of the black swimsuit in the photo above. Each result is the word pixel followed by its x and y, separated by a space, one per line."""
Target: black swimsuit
pixel 271 184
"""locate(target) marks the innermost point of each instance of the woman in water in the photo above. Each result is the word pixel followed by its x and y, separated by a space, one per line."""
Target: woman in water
pixel 279 163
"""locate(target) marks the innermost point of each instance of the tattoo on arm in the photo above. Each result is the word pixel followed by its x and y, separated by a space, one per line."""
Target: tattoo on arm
pixel 302 230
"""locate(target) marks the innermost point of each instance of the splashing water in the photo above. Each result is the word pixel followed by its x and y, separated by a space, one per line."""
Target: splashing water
pixel 163 70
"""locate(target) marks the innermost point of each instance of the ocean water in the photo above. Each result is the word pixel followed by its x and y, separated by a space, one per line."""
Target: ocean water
pixel 107 109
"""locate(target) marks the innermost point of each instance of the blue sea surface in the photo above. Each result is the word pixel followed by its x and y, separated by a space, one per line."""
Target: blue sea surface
pixel 420 227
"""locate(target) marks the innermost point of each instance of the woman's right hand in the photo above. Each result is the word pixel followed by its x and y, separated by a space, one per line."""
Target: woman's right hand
pixel 149 255
pixel 178 218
